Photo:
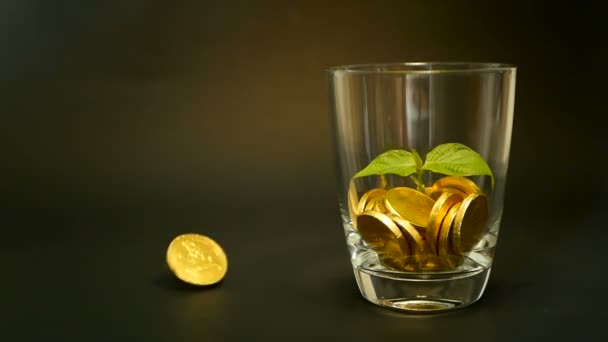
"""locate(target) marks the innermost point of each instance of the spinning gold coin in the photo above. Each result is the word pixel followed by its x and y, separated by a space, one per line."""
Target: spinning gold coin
pixel 197 259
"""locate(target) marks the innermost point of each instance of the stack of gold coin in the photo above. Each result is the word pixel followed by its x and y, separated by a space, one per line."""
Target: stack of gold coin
pixel 415 231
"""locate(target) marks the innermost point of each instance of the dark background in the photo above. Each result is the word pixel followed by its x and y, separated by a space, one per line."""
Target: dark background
pixel 125 123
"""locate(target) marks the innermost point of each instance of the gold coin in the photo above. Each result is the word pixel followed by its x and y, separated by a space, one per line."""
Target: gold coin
pixel 197 259
pixel 460 183
pixel 470 223
pixel 380 206
pixel 382 235
pixel 414 239
pixel 368 197
pixel 376 203
pixel 440 209
pixel 421 231
pixel 443 244
pixel 412 205
pixel 353 200
pixel 442 263
pixel 434 194
pixel 435 263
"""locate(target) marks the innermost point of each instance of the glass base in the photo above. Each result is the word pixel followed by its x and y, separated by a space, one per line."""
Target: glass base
pixel 421 293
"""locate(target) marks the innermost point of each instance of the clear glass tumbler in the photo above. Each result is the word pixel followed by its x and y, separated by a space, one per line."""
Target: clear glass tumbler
pixel 421 222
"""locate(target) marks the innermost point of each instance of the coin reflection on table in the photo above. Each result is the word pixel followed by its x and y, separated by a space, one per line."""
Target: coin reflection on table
pixel 197 259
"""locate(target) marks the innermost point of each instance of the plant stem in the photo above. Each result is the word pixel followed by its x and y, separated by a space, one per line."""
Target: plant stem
pixel 420 181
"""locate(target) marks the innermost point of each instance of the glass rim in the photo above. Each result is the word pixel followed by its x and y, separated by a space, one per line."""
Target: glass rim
pixel 421 68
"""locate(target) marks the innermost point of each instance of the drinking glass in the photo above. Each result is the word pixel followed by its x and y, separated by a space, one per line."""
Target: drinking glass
pixel 424 265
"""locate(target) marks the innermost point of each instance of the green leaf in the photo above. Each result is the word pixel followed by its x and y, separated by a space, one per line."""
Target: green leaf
pixel 398 162
pixel 456 160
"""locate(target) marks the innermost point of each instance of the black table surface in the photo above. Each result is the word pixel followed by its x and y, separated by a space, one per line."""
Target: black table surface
pixel 100 274
pixel 127 123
